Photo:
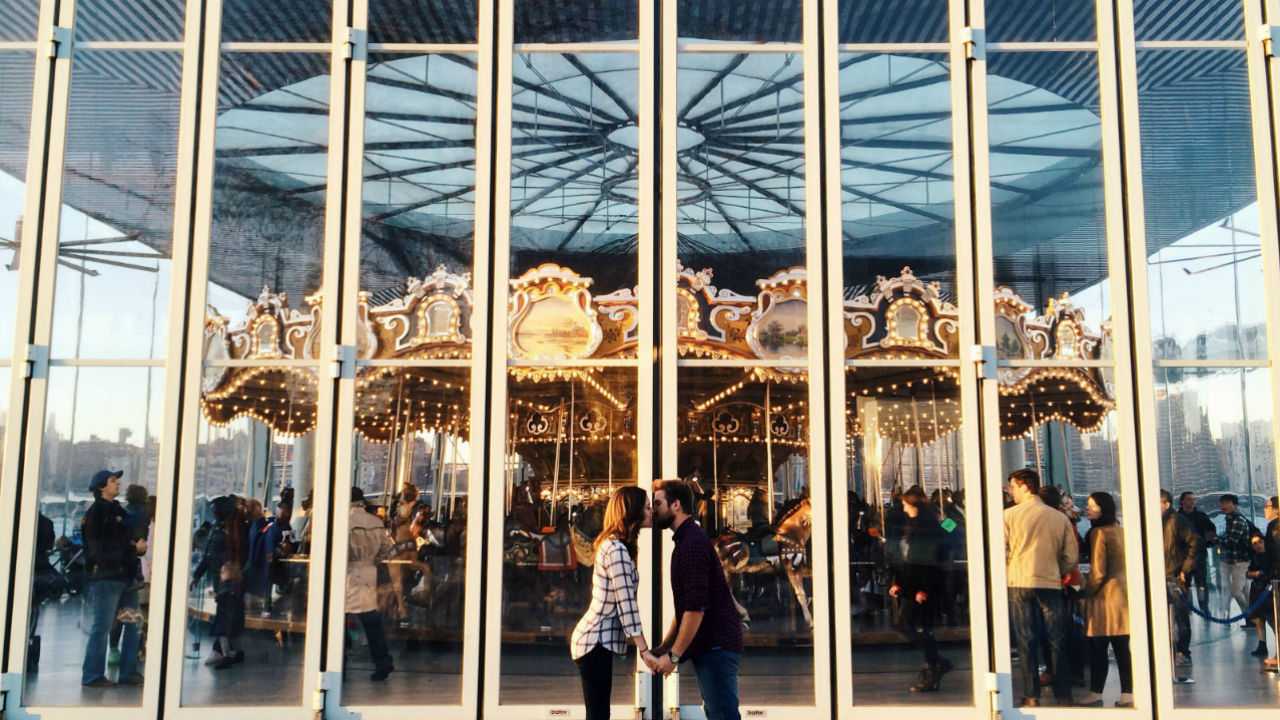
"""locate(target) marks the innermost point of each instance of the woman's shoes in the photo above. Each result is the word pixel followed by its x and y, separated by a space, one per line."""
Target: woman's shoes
pixel 931 676
pixel 1091 703
pixel 1260 651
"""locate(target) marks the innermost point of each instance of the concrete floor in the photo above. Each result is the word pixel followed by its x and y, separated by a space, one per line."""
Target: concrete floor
pixel 428 673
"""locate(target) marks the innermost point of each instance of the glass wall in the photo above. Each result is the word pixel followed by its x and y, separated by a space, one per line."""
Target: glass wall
pixel 1051 260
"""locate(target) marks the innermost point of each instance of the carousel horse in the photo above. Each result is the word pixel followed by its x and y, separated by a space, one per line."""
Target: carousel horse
pixel 781 548
pixel 407 522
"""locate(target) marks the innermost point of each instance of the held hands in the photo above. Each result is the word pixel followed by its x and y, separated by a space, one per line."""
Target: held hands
pixel 660 665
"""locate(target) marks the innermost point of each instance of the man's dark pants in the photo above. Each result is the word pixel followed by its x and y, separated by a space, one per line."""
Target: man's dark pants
pixel 717 672
pixel 1039 619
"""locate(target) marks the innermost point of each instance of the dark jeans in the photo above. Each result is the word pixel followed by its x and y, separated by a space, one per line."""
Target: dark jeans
pixel 596 669
pixel 717 672
pixel 1200 579
pixel 1039 620
pixel 1177 592
pixel 1098 664
pixel 916 622
pixel 372 623
pixel 106 599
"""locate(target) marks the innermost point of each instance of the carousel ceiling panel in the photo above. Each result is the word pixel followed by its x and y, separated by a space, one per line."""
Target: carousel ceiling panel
pixel 575 131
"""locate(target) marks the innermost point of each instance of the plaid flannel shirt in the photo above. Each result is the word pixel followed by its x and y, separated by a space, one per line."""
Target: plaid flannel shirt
pixel 1235 540
pixel 613 615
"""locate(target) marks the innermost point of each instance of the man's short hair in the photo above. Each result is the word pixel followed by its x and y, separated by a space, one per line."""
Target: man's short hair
pixel 1027 477
pixel 1166 496
pixel 1184 495
pixel 1229 498
pixel 676 491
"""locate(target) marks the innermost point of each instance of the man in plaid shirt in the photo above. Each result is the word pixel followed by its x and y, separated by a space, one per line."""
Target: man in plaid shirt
pixel 706 628
pixel 1235 550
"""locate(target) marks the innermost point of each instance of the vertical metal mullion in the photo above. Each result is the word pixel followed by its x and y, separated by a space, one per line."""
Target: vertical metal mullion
pixel 838 470
pixel 497 408
pixel 651 284
pixel 1119 268
pixel 483 376
pixel 668 340
pixel 819 477
pixel 44 90
pixel 1143 361
pixel 39 252
pixel 176 386
pixel 205 30
pixel 329 445
pixel 343 209
pixel 979 400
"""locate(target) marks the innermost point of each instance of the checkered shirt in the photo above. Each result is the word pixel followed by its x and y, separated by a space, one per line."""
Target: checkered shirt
pixel 613 615
pixel 1235 539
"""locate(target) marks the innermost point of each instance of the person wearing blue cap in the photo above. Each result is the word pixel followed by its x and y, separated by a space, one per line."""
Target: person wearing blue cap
pixel 110 556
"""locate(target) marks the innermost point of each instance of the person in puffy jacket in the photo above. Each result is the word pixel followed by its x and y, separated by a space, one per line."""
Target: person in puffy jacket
pixel 368 542
pixel 917 584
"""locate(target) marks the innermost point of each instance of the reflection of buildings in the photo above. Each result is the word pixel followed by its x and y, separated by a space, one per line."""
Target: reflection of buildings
pixel 1189 457
pixel 1244 459
pixel 1224 341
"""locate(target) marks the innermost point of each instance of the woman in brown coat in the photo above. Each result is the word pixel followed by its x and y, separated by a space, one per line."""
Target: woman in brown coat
pixel 1106 601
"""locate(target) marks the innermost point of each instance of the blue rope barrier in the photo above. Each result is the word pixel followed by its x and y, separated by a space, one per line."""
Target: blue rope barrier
pixel 1227 621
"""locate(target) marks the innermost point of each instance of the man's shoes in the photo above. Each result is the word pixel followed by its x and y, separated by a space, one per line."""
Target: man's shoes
pixel 929 680
pixel 1260 651
pixel 213 659
pixel 134 679
pixel 381 673
pixel 101 682
pixel 113 657
pixel 224 663
pixel 1182 660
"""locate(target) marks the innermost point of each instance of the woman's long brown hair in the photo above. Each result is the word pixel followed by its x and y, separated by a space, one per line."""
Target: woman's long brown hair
pixel 623 516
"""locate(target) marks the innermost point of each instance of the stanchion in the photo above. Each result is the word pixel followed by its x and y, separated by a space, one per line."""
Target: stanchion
pixel 1275 626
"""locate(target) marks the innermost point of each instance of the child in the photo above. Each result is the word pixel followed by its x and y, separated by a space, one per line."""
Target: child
pixel 228 620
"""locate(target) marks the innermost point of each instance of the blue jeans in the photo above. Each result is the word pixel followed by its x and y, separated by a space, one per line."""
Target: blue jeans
pixel 1040 619
pixel 106 598
pixel 1180 615
pixel 717 672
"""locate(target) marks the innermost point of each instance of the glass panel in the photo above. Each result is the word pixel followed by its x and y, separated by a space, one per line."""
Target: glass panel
pixel 574 193
pixel 761 21
pixel 412 424
pixel 1204 20
pixel 413 469
pixel 435 21
pixel 743 437
pixel 882 21
pixel 562 21
pixel 741 205
pixel 1204 248
pixel 898 203
pixel 15 119
pixel 112 290
pixel 21 18
pixel 269 178
pixel 1068 598
pixel 907 510
pixel 1040 20
pixel 1049 226
pixel 118 20
pixel 277 21
pixel 247 596
pixel 1216 430
pixel 570 442
pixel 92 568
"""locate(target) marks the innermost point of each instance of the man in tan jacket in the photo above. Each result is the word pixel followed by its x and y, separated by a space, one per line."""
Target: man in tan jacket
pixel 1040 551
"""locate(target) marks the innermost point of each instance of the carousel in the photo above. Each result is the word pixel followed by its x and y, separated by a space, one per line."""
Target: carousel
pixel 571 427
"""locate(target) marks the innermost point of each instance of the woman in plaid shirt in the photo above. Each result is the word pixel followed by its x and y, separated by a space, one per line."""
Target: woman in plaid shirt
pixel 613 615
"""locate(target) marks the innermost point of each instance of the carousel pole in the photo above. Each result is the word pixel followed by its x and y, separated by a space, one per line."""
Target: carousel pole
pixel 768 446
pixel 453 469
pixel 915 420
pixel 511 465
pixel 555 472
pixel 573 411
pixel 715 476
pixel 437 484
pixel 1066 456
pixel 609 430
pixel 1035 435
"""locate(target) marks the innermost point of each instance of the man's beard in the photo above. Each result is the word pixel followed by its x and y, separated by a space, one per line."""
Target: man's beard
pixel 663 522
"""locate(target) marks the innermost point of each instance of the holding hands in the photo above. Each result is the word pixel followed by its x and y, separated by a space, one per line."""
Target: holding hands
pixel 659 664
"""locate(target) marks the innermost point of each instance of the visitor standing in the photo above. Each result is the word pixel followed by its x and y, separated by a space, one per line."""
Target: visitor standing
pixel 111 556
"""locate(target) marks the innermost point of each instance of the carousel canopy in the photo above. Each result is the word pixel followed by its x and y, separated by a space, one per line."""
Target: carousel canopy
pixel 574 135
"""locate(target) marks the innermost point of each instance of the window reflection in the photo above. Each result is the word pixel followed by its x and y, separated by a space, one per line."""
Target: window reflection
pixel 94 537
pixel 16 69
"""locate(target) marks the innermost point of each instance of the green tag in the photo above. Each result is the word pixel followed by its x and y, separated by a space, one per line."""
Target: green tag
pixel 948 524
